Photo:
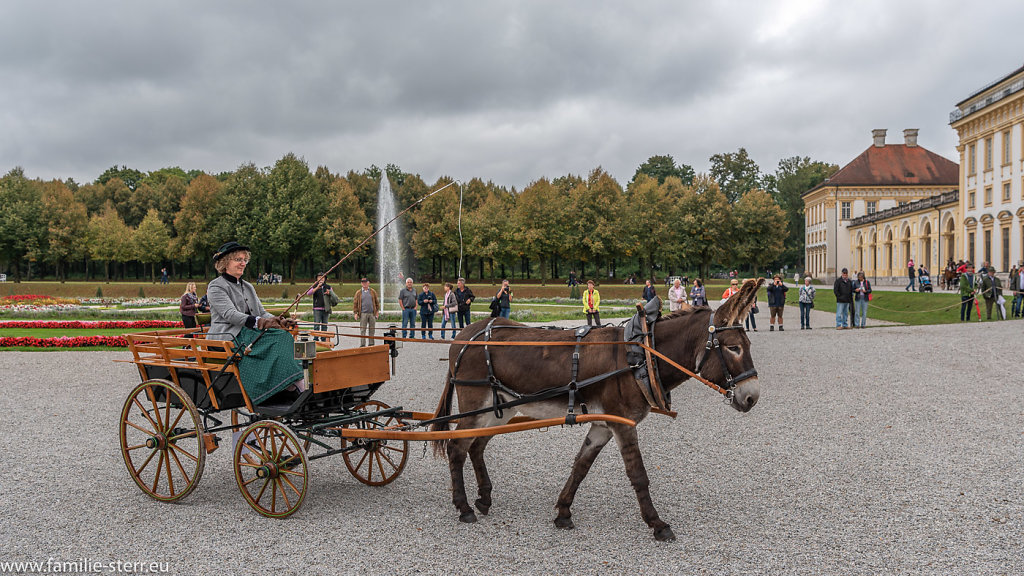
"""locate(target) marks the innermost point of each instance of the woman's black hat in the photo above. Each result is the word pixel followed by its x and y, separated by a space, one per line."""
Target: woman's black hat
pixel 228 248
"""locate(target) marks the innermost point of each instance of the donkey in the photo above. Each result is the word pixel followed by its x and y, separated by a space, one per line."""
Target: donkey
pixel 682 336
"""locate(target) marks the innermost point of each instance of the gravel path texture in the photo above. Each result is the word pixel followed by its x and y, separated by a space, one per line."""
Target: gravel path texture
pixel 890 450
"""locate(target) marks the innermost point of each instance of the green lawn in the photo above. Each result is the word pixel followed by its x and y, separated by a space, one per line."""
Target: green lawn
pixel 911 308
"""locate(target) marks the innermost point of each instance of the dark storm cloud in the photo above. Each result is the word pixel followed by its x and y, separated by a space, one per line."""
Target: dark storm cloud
pixel 509 91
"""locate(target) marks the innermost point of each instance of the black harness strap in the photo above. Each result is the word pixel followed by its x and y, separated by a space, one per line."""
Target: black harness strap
pixel 714 344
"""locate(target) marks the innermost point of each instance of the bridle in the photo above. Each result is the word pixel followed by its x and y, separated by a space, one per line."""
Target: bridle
pixel 713 344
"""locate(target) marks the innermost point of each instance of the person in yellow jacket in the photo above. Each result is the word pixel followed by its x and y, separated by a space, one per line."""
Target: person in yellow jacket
pixel 591 303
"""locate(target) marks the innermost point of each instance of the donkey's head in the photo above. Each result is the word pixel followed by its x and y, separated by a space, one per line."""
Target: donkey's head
pixel 726 359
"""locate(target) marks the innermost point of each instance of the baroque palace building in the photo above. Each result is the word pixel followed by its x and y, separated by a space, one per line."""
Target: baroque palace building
pixel 990 125
pixel 890 204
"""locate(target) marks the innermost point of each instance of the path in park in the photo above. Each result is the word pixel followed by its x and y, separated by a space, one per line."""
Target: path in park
pixel 892 450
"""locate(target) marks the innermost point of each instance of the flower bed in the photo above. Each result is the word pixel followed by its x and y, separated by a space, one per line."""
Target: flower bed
pixel 64 341
pixel 73 324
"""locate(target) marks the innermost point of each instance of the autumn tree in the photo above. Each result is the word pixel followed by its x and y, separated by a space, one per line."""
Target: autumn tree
pixel 651 214
pixel 489 230
pixel 593 233
pixel 759 229
pixel 66 225
pixel 540 223
pixel 195 222
pixel 704 223
pixel 150 241
pixel 109 238
pixel 345 224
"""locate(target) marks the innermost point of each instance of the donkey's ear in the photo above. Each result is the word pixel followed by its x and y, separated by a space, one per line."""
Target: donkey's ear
pixel 738 305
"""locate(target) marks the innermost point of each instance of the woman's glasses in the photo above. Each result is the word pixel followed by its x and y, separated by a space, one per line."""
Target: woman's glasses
pixel 240 260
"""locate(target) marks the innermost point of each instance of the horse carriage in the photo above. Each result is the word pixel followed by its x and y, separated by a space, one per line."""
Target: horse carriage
pixel 508 378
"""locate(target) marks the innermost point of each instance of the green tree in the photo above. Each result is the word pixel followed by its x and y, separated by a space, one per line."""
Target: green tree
pixel 66 225
pixel 489 230
pixel 436 233
pixel 793 178
pixel 735 173
pixel 296 206
pixel 705 223
pixel 662 167
pixel 759 229
pixel 128 176
pixel 151 241
pixel 242 214
pixel 345 224
pixel 22 228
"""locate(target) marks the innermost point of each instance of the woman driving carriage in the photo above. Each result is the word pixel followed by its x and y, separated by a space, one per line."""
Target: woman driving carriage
pixel 233 301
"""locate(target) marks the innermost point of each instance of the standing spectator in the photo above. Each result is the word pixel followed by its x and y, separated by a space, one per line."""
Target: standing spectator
pixel 188 305
pixel 751 323
pixel 776 301
pixel 992 290
pixel 1014 280
pixel 967 292
pixel 591 304
pixel 843 289
pixel 407 300
pixel 861 296
pixel 164 279
pixel 676 296
pixel 504 298
pixel 806 303
pixel 1018 294
pixel 322 301
pixel 734 287
pixel 572 279
pixel 449 309
pixel 204 304
pixel 697 294
pixel 428 305
pixel 366 307
pixel 649 292
pixel 796 278
pixel 464 296
pixel 910 275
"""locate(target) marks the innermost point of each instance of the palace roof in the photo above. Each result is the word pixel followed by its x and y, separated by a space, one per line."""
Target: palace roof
pixel 896 165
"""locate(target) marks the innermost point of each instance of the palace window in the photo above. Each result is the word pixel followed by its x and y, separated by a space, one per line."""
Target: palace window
pixel 988 195
pixel 988 246
pixel 988 153
pixel 1006 148
pixel 972 155
pixel 970 199
pixel 970 246
pixel 845 211
pixel 872 206
pixel 1006 191
pixel 1006 248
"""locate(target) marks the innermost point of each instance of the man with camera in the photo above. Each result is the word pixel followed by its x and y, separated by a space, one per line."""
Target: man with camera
pixel 776 301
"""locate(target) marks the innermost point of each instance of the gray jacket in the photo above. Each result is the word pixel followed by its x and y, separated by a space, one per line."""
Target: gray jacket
pixel 233 304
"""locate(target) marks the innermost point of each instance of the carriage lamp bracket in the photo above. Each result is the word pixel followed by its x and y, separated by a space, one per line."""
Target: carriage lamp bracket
pixel 305 347
pixel 393 344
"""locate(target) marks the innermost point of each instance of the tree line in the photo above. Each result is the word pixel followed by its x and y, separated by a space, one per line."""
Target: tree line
pixel 297 220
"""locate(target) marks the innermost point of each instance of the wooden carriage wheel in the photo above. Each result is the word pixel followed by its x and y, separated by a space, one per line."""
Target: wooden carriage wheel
pixel 271 469
pixel 161 440
pixel 375 462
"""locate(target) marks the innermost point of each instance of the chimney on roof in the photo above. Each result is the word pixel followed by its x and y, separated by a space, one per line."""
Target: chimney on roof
pixel 910 136
pixel 879 135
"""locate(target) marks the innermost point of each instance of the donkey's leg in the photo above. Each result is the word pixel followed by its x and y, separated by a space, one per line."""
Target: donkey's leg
pixel 596 439
pixel 626 438
pixel 483 480
pixel 456 463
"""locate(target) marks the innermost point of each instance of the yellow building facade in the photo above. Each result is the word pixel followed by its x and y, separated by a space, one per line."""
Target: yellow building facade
pixel 990 126
pixel 892 204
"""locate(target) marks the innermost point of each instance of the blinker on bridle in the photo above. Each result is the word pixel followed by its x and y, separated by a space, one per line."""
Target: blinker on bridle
pixel 714 344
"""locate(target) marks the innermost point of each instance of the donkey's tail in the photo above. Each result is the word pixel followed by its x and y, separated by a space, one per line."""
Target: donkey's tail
pixel 444 408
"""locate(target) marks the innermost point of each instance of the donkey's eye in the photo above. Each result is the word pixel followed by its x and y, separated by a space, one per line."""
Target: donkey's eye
pixel 734 349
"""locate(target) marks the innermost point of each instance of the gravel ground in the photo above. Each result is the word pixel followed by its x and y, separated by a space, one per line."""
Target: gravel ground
pixel 891 450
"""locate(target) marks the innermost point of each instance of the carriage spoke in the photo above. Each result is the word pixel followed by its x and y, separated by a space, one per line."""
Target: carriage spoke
pixel 289 482
pixel 273 496
pixel 359 466
pixel 167 411
pixel 263 489
pixel 156 409
pixel 249 465
pixel 170 479
pixel 184 435
pixel 263 447
pixel 136 447
pixel 178 462
pixel 249 460
pixel 388 458
pixel 184 452
pixel 284 494
pixel 138 472
pixel 159 465
pixel 146 414
pixel 250 481
pixel 177 419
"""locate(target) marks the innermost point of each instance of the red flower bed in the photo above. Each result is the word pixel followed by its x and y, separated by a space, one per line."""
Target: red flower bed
pixel 19 297
pixel 64 341
pixel 98 324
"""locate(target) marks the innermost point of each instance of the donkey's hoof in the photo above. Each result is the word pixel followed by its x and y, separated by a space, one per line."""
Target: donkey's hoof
pixel 665 535
pixel 483 507
pixel 565 523
pixel 467 517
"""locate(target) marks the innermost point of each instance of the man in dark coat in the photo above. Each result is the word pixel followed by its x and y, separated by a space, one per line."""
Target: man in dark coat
pixel 843 289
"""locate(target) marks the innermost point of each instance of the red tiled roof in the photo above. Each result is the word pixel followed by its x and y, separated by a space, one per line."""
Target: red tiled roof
pixel 896 165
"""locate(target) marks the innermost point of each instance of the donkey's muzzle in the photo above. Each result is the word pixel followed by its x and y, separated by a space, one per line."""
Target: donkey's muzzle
pixel 745 395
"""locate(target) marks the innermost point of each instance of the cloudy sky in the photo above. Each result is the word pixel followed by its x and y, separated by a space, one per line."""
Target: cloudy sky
pixel 506 91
